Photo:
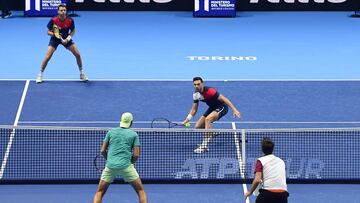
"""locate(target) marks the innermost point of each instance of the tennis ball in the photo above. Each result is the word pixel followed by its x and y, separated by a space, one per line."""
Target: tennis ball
pixel 187 125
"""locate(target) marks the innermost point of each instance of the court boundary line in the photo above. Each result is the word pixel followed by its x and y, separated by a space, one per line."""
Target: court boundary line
pixel 218 122
pixel 190 80
pixel 240 161
pixel 12 134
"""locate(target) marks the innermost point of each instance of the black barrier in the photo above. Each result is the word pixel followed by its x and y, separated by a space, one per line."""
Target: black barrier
pixel 188 5
pixel 242 5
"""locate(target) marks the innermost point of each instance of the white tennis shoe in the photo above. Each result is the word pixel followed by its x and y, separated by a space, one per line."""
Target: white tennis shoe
pixel 39 79
pixel 83 77
pixel 201 149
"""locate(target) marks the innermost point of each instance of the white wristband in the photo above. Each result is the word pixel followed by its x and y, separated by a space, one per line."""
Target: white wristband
pixel 189 117
pixel 68 38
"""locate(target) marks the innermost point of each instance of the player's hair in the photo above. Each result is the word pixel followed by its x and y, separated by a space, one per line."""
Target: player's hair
pixel 61 5
pixel 267 146
pixel 197 78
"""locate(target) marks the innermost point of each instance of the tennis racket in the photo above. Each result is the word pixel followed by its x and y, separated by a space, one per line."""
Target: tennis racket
pixel 56 31
pixel 99 163
pixel 164 123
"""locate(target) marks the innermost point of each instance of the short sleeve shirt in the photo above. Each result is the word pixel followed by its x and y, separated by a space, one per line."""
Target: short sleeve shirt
pixel 121 142
pixel 210 96
pixel 66 26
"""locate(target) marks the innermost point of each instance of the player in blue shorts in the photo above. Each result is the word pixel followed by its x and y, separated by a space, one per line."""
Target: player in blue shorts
pixel 66 27
pixel 218 107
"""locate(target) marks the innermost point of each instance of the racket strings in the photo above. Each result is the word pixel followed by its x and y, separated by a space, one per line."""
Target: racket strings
pixel 99 163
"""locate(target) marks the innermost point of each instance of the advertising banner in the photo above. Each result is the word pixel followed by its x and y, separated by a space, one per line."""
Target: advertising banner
pixel 213 8
pixel 42 7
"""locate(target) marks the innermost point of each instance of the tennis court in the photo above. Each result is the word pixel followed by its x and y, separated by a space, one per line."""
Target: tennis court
pixel 299 88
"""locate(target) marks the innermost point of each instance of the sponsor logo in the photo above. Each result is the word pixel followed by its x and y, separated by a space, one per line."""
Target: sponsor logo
pixel 222 58
pixel 28 5
pixel 197 5
pixel 299 1
pixel 127 1
pixel 220 168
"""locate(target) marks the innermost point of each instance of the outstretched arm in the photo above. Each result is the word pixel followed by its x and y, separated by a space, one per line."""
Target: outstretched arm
pixel 192 112
pixel 228 102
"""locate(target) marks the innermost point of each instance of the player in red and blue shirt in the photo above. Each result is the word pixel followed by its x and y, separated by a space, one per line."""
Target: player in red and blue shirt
pixel 218 107
pixel 66 27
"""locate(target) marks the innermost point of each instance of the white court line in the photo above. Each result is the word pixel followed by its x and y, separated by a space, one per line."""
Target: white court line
pixel 12 134
pixel 219 122
pixel 241 164
pixel 190 80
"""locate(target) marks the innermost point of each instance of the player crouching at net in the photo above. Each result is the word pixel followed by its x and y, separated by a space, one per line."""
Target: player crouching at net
pixel 61 28
pixel 120 159
pixel 218 107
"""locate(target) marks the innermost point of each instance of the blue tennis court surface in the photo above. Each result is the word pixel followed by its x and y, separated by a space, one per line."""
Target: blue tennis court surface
pixel 191 193
pixel 280 74
pixel 264 104
pixel 159 45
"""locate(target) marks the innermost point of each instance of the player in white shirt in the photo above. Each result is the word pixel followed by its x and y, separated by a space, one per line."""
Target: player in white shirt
pixel 270 176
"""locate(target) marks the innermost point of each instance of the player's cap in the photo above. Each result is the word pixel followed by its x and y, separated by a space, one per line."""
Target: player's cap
pixel 126 119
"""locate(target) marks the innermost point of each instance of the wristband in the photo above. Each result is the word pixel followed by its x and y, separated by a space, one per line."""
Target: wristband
pixel 189 117
pixel 68 38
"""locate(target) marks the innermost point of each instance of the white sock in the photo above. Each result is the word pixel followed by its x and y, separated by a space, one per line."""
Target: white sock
pixel 206 141
pixel 41 73
pixel 81 71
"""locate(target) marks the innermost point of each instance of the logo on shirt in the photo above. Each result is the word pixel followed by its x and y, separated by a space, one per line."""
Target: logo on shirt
pixel 28 5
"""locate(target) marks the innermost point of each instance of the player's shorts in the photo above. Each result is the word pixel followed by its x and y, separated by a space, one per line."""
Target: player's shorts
pixel 266 196
pixel 129 174
pixel 55 43
pixel 222 110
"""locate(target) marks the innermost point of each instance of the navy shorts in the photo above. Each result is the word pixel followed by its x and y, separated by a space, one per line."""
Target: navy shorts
pixel 272 197
pixel 222 110
pixel 55 43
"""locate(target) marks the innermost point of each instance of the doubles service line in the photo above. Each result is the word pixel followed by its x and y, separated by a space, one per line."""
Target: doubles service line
pixel 12 134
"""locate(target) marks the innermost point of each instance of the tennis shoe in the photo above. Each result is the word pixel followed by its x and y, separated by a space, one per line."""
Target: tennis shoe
pixel 7 14
pixel 39 79
pixel 83 77
pixel 201 149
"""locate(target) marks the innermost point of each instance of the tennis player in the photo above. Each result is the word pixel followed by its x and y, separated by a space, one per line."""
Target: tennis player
pixel 117 149
pixel 66 26
pixel 270 173
pixel 218 107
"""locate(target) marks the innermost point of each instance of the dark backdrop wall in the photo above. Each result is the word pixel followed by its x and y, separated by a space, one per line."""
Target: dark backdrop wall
pixel 187 5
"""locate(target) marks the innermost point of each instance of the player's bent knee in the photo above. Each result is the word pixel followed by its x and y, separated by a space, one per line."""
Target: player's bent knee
pixel 210 119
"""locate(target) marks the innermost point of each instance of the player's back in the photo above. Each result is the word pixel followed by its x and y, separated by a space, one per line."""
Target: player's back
pixel 121 142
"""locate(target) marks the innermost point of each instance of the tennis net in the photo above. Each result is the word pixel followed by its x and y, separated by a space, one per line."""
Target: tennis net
pixel 58 154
